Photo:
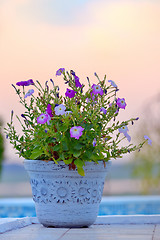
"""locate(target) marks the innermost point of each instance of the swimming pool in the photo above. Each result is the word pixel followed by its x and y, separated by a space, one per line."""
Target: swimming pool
pixel 131 205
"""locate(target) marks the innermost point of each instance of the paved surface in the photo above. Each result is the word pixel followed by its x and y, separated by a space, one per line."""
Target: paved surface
pixel 95 232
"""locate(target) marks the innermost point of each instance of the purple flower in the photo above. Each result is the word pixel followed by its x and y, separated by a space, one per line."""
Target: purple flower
pixel 121 103
pixel 30 82
pixel 124 130
pixel 87 100
pixel 97 90
pixel 94 142
pixel 25 83
pixel 49 119
pixel 117 111
pixel 103 110
pixel 128 137
pixel 60 71
pixel 94 98
pixel 60 109
pixel 113 83
pixel 72 72
pixel 149 140
pixel 29 93
pixel 43 118
pixel 70 93
pixel 76 132
pixel 49 110
pixel 77 83
pixel 22 115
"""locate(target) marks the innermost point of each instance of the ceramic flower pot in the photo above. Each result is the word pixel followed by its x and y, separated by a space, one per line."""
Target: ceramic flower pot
pixel 62 197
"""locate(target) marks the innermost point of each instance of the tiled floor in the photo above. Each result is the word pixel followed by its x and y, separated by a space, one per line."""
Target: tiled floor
pixel 95 232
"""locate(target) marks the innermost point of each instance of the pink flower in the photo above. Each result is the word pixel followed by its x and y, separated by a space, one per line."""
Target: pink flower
pixel 70 93
pixel 97 89
pixel 121 103
pixel 42 119
pixel 76 132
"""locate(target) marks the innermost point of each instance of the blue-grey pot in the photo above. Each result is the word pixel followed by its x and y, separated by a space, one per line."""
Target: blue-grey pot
pixel 62 197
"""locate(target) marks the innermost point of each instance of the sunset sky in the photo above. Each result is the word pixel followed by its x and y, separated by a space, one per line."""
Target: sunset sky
pixel 114 37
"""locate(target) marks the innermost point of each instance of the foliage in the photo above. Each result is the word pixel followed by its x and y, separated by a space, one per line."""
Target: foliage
pixel 78 127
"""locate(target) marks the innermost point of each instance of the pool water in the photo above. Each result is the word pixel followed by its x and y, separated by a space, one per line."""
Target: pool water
pixel 133 205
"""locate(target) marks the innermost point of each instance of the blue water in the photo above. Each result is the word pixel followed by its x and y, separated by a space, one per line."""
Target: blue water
pixel 109 206
pixel 134 205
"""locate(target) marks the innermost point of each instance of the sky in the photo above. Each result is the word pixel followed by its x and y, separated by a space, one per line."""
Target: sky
pixel 114 37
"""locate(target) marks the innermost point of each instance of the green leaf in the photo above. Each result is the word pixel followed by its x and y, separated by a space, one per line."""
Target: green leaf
pixel 81 171
pixel 36 153
pixel 79 163
pixel 56 148
pixel 101 155
pixel 61 156
pixel 88 126
pixel 96 157
pixel 76 153
pixel 78 146
pixel 86 157
pixel 68 161
pixel 88 153
pixel 65 146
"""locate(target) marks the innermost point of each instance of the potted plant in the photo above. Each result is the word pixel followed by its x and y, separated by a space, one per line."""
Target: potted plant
pixel 67 143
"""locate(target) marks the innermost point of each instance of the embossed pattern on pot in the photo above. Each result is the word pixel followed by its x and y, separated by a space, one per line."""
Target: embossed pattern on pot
pixel 62 191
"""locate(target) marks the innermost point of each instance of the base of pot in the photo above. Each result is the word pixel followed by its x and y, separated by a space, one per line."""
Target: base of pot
pixel 67 225
pixel 75 216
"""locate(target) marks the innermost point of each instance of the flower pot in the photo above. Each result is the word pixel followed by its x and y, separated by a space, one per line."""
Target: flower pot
pixel 62 197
